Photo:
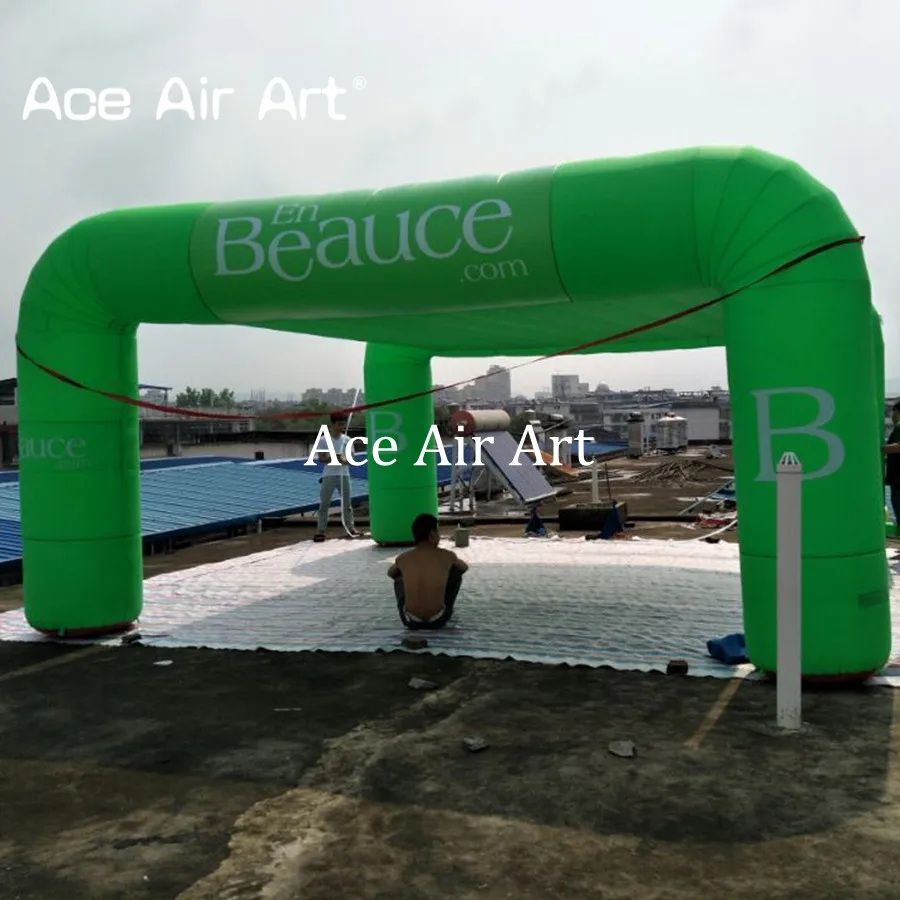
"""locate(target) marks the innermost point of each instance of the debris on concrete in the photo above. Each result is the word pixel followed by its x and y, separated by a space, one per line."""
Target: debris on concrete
pixel 138 637
pixel 680 472
pixel 475 744
pixel 163 662
pixel 625 749
pixel 677 667
pixel 414 643
pixel 421 684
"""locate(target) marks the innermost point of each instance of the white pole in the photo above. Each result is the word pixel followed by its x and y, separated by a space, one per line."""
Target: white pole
pixel 459 465
pixel 595 482
pixel 472 479
pixel 789 591
pixel 345 481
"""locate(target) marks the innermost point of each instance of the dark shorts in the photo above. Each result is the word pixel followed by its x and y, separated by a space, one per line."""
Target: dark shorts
pixel 454 582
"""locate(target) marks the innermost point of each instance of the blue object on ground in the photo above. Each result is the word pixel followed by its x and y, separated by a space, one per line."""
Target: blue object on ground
pixel 613 524
pixel 730 649
pixel 535 525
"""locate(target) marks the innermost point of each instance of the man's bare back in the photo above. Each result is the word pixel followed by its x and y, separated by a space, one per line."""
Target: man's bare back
pixel 425 570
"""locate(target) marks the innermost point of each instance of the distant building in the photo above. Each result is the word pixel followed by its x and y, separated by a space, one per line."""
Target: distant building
pixel 8 391
pixel 565 387
pixel 497 387
pixel 153 394
pixel 337 397
pixel 708 413
pixel 707 420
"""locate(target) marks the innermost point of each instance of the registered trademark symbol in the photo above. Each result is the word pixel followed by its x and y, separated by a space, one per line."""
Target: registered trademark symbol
pixel 359 83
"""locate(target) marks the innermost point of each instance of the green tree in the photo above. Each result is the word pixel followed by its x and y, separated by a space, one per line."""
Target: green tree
pixel 518 424
pixel 205 398
pixel 188 397
pixel 442 419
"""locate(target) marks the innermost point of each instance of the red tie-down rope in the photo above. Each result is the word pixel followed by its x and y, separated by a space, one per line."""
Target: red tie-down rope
pixel 656 323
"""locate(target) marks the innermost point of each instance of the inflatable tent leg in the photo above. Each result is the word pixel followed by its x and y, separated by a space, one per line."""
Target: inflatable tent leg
pixel 802 379
pixel 80 483
pixel 401 491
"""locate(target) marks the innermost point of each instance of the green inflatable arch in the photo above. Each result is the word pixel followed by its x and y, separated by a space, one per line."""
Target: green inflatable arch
pixel 517 265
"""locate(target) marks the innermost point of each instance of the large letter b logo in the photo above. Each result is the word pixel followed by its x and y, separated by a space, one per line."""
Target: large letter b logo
pixel 765 431
pixel 377 427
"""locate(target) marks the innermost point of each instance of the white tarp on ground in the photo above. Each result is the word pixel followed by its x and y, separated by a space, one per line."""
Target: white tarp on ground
pixel 628 604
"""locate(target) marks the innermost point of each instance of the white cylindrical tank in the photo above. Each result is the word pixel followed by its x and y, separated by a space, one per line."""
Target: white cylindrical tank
pixel 671 432
pixel 635 435
pixel 466 422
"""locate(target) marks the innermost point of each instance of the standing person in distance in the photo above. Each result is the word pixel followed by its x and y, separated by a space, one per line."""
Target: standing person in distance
pixel 335 476
pixel 891 451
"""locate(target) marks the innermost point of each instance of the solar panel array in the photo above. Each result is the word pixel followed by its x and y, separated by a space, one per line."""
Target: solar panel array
pixel 525 479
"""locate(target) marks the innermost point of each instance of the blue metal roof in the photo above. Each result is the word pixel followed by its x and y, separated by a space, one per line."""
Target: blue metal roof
pixel 598 448
pixel 190 497
pixel 183 495
pixel 169 462
pixel 10 540
pixel 179 500
pixel 164 462
pixel 297 463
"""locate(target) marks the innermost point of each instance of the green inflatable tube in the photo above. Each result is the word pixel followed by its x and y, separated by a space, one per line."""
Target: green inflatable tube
pixel 518 265
pixel 404 488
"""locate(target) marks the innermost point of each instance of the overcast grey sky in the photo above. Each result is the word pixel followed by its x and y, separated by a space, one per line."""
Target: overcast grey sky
pixel 451 90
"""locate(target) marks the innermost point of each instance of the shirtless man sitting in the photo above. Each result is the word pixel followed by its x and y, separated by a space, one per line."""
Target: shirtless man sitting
pixel 426 578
